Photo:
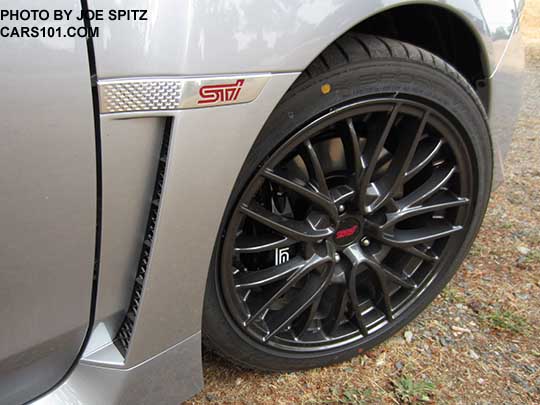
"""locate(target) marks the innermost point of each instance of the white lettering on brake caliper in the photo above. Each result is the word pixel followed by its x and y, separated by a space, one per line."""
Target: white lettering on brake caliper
pixel 281 255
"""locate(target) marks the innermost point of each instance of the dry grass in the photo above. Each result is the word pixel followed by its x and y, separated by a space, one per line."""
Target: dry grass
pixel 531 31
pixel 478 343
pixel 530 23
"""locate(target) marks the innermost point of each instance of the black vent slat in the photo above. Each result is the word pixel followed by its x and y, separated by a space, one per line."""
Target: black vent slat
pixel 123 337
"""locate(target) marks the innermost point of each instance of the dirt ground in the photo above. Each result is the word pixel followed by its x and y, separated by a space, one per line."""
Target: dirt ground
pixel 478 342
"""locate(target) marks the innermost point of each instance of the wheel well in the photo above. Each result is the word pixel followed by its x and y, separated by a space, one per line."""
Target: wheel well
pixel 439 31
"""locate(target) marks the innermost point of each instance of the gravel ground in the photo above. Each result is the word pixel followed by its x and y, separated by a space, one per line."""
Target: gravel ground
pixel 478 342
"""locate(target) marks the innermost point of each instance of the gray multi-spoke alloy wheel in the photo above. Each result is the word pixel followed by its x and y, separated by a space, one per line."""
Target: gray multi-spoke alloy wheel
pixel 356 205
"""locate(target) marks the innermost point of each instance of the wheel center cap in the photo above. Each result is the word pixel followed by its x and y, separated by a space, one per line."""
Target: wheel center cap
pixel 349 231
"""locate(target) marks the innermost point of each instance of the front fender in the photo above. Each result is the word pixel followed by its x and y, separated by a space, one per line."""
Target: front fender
pixel 195 37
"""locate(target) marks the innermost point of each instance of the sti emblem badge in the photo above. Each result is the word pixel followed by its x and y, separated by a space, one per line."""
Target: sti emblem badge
pixel 217 93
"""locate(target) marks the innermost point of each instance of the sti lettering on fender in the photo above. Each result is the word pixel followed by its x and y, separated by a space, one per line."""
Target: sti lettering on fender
pixel 134 95
pixel 220 92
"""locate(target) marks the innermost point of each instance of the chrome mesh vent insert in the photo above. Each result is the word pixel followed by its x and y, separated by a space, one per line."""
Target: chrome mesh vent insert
pixel 125 332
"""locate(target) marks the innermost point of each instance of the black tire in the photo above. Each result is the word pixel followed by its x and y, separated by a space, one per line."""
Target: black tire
pixel 357 67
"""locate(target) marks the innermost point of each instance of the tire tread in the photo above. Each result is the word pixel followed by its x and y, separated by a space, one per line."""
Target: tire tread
pixel 354 48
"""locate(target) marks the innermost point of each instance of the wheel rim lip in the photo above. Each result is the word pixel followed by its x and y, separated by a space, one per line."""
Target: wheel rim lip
pixel 311 130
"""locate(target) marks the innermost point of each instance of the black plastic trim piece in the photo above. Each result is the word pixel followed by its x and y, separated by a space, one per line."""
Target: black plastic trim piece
pixel 125 332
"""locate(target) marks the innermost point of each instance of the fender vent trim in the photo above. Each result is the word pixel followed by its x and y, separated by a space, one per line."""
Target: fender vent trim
pixel 125 333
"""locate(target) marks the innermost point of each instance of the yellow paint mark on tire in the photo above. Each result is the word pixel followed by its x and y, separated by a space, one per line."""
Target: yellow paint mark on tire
pixel 326 88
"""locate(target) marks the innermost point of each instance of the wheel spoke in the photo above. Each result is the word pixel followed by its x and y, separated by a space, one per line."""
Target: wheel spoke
pixel 308 266
pixel 394 178
pixel 342 194
pixel 311 313
pixel 337 315
pixel 373 150
pixel 389 274
pixel 310 292
pixel 410 268
pixel 382 164
pixel 426 255
pixel 440 176
pixel 360 259
pixel 426 153
pixel 441 201
pixel 319 199
pixel 355 302
pixel 258 278
pixel 403 238
pixel 297 230
pixel 261 243
pixel 360 262
pixel 354 152
pixel 315 165
pixel 386 300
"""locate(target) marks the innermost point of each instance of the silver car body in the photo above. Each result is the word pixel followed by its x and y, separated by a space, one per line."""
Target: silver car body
pixel 65 283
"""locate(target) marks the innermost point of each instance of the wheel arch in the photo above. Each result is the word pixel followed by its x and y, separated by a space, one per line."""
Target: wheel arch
pixel 443 32
pixel 458 36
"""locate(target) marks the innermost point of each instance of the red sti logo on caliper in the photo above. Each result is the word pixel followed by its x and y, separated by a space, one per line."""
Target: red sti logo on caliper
pixel 217 93
pixel 344 233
